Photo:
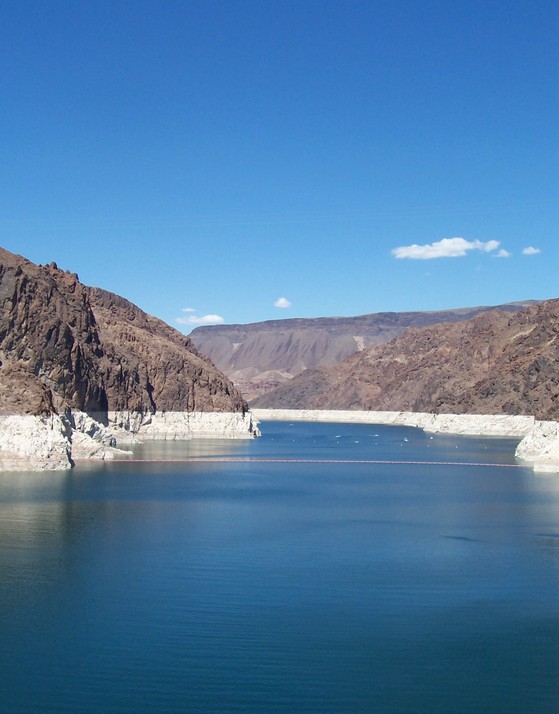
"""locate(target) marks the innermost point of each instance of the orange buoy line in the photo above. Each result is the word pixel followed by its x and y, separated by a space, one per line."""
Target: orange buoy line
pixel 257 460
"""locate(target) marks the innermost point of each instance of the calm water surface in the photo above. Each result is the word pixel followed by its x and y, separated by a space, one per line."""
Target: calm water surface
pixel 284 587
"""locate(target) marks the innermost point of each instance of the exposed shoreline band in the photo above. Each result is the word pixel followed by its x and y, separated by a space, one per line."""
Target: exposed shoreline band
pixel 54 442
pixel 539 440
pixel 44 443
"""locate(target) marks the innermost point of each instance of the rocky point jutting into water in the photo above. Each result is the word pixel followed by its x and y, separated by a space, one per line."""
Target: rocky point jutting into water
pixel 78 361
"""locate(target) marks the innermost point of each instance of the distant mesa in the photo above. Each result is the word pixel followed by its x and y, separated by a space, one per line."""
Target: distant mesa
pixel 497 362
pixel 262 356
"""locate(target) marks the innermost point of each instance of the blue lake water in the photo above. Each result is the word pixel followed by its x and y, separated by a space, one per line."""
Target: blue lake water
pixel 266 586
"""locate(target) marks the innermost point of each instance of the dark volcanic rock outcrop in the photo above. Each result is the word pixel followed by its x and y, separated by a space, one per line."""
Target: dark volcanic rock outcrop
pixel 494 363
pixel 261 356
pixel 65 345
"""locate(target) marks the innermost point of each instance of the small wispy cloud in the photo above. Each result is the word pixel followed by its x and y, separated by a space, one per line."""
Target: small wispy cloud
pixel 503 254
pixel 530 250
pixel 445 248
pixel 199 320
pixel 282 302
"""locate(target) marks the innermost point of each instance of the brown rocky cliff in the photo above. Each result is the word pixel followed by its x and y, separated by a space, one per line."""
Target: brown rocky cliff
pixel 176 376
pixel 63 344
pixel 49 344
pixel 494 363
pixel 260 356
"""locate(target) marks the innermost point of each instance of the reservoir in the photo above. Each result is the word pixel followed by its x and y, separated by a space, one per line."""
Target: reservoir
pixel 323 568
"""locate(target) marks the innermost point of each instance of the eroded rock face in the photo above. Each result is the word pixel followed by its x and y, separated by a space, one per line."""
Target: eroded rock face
pixel 34 443
pixel 264 355
pixel 541 447
pixel 168 373
pixel 64 345
pixel 49 344
pixel 493 363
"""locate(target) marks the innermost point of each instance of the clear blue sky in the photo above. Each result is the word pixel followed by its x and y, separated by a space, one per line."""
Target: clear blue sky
pixel 208 158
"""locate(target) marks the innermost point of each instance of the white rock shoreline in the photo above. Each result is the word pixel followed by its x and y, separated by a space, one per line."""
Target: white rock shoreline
pixel 36 443
pixel 539 445
pixel 55 442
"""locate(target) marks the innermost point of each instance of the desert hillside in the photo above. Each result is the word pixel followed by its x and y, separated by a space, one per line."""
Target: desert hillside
pixel 66 345
pixel 261 356
pixel 493 363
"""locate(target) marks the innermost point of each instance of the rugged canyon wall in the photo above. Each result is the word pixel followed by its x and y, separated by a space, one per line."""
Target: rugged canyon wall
pixel 155 365
pixel 66 345
pixel 493 363
pixel 72 356
pixel 263 355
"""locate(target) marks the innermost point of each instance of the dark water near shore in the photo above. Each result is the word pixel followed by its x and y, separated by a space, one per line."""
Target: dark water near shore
pixel 284 587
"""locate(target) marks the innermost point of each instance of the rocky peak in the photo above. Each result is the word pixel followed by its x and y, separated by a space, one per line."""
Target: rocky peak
pixel 65 345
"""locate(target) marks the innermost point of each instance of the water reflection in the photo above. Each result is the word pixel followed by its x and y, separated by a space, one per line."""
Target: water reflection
pixel 259 586
pixel 190 449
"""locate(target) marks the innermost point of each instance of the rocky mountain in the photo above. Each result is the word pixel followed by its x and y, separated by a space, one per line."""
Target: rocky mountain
pixel 494 363
pixel 259 357
pixel 66 345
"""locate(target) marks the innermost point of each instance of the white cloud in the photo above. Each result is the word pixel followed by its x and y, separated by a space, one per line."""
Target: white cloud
pixel 188 309
pixel 445 248
pixel 503 254
pixel 530 250
pixel 282 302
pixel 203 320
